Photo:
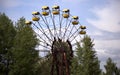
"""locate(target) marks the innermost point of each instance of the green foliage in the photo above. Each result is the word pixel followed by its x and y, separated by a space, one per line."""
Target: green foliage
pixel 44 66
pixel 111 68
pixel 24 53
pixel 87 62
pixel 18 54
pixel 7 33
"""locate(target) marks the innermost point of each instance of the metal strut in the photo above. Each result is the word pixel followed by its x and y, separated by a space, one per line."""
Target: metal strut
pixel 47 25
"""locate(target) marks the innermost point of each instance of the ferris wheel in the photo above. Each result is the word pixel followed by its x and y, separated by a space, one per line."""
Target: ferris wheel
pixel 58 31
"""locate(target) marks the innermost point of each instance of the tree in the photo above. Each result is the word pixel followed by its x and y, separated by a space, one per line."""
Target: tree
pixel 87 62
pixel 25 55
pixel 44 66
pixel 7 34
pixel 111 68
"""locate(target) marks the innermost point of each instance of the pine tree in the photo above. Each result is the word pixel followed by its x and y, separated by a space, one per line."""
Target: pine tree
pixel 25 55
pixel 7 33
pixel 87 61
pixel 111 68
pixel 74 67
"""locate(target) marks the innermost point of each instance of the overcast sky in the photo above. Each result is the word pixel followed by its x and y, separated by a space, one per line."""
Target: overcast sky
pixel 102 18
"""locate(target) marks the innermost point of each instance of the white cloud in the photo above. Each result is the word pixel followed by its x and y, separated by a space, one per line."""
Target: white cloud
pixel 9 3
pixel 106 49
pixel 106 44
pixel 95 33
pixel 15 3
pixel 108 17
pixel 73 1
pixel 103 56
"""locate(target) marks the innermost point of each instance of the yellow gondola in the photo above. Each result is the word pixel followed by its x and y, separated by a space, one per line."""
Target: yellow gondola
pixel 45 7
pixel 45 13
pixel 75 20
pixel 82 32
pixel 35 13
pixel 75 17
pixel 55 10
pixel 56 7
pixel 35 18
pixel 65 13
pixel 83 27
pixel 45 10
pixel 28 22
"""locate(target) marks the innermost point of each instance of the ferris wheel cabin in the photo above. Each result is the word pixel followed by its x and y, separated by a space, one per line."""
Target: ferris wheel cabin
pixel 28 22
pixel 55 10
pixel 35 16
pixel 82 30
pixel 66 13
pixel 45 10
pixel 75 20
